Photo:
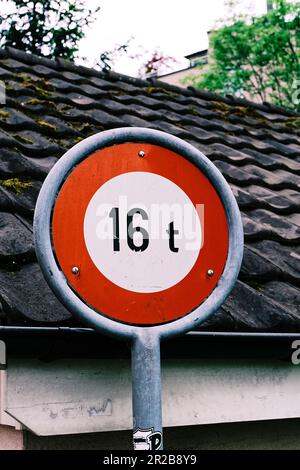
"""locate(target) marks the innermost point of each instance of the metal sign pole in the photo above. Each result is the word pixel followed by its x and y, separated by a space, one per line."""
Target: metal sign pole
pixel 146 393
pixel 107 281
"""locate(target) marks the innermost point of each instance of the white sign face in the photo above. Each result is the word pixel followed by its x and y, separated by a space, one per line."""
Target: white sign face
pixel 142 232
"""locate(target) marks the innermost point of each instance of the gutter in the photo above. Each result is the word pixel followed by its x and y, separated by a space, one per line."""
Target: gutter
pixel 50 343
pixel 200 334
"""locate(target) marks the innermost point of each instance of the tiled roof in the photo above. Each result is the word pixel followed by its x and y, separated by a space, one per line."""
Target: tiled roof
pixel 51 105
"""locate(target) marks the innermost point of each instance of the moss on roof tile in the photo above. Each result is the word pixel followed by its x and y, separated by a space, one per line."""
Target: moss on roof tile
pixel 3 114
pixel 47 125
pixel 157 89
pixel 36 102
pixel 23 140
pixel 15 185
pixel 292 122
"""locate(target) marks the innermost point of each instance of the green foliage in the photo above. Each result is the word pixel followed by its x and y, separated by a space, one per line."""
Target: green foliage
pixel 260 57
pixel 46 27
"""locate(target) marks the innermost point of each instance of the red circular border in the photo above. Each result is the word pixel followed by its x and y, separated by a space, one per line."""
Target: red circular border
pixel 91 285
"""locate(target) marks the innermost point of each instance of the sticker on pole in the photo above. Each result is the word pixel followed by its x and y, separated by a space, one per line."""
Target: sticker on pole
pixel 147 439
pixel 138 229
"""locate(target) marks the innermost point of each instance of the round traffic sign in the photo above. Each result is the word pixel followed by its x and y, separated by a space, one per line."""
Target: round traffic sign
pixel 136 228
pixel 179 227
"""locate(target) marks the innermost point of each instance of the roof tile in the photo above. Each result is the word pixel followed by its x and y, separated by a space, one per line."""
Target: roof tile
pixel 16 239
pixel 41 305
pixel 51 105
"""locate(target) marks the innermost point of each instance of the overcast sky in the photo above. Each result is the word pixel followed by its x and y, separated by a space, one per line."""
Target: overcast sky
pixel 176 27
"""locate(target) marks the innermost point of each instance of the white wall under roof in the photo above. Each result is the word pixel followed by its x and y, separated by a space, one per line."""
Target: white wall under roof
pixel 78 396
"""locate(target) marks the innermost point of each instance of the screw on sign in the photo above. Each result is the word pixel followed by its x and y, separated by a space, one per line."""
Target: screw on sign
pixel 139 235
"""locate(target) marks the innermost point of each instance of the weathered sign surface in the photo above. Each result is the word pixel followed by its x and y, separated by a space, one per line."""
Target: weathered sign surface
pixel 143 240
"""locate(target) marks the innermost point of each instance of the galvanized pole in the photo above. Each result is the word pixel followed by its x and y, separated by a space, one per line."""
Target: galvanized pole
pixel 147 414
pixel 146 392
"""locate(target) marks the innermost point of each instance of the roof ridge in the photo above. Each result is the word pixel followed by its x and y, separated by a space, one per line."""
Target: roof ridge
pixel 62 64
